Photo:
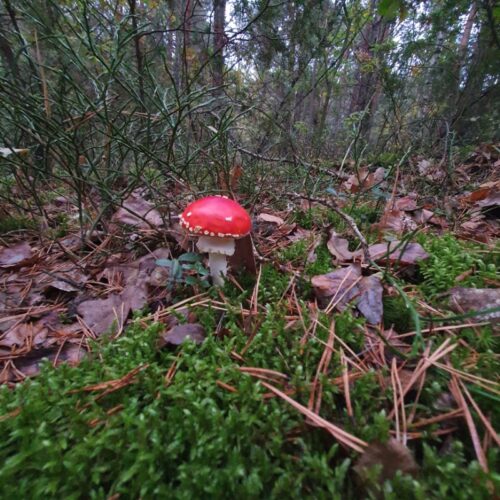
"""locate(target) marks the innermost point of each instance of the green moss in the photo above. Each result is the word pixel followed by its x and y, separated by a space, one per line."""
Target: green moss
pixel 15 223
pixel 397 315
pixel 450 258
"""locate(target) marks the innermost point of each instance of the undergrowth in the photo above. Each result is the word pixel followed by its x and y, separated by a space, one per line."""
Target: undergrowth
pixel 453 262
pixel 192 438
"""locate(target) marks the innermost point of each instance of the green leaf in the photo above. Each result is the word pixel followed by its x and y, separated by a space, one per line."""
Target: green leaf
pixel 164 262
pixel 190 257
pixel 176 270
pixel 191 280
pixel 390 8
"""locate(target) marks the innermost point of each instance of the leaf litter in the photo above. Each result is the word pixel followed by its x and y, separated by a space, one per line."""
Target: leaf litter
pixel 52 303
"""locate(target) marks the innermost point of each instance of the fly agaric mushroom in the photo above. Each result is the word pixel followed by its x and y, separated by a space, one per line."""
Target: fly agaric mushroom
pixel 218 221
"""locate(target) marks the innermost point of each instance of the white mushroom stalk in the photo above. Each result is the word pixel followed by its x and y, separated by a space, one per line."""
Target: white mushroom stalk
pixel 218 250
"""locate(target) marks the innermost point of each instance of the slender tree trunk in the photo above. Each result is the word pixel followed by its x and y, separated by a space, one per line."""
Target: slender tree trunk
pixel 8 55
pixel 367 80
pixel 219 40
pixel 138 52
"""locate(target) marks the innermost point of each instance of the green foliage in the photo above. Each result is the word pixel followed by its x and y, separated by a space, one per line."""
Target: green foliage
pixel 192 438
pixel 186 269
pixel 450 258
pixel 15 223
pixel 322 263
pixel 396 314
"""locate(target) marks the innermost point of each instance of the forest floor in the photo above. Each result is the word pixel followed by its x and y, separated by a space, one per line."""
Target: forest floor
pixel 359 358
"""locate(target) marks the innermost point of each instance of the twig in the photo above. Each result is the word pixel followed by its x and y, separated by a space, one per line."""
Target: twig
pixel 347 218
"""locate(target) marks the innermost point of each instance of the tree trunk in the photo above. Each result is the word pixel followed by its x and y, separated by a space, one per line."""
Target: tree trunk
pixel 219 41
pixel 367 81
pixel 138 52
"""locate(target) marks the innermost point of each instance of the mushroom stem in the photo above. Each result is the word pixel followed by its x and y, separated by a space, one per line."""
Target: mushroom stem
pixel 217 263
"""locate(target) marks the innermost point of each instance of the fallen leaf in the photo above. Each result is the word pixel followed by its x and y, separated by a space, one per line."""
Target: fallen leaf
pixel 179 333
pixel 364 179
pixel 406 203
pixel 67 279
pixel 100 314
pixel 339 248
pixel 476 299
pixel 274 219
pixel 395 252
pixel 138 212
pixel 301 234
pixel 339 284
pixel 347 284
pixel 16 256
pixel 395 221
pixel 370 303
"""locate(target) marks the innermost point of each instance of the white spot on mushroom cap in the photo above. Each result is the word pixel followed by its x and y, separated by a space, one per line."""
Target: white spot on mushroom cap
pixel 228 219
pixel 189 214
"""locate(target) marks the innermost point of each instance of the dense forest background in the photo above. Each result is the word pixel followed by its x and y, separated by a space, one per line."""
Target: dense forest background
pixel 109 94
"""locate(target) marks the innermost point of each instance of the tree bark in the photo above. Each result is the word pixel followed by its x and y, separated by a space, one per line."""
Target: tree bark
pixel 367 81
pixel 219 41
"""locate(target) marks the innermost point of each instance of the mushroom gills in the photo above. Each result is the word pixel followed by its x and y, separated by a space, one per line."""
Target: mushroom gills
pixel 213 244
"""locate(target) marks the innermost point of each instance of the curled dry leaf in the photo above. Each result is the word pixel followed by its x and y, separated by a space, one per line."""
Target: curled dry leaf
pixel 16 256
pixel 339 284
pixel 406 203
pixel 389 457
pixel 138 212
pixel 476 299
pixel 396 252
pixel 395 221
pixel 273 219
pixel 339 248
pixel 364 179
pixel 179 333
pixel 347 284
pixel 370 303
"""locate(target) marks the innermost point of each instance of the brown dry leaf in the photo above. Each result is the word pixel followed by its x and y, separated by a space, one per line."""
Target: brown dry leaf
pixel 488 195
pixel 390 457
pixel 394 252
pixel 347 284
pixel 17 336
pixel 370 303
pixel 339 248
pixel 67 279
pixel 179 333
pixel 476 299
pixel 100 314
pixel 364 179
pixel 395 221
pixel 423 216
pixel 406 203
pixel 340 283
pixel 16 256
pixel 138 212
pixel 273 219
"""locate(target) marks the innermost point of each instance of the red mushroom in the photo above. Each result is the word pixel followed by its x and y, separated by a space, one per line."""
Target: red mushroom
pixel 218 221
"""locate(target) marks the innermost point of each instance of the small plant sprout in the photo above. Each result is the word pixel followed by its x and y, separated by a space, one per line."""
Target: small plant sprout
pixel 218 221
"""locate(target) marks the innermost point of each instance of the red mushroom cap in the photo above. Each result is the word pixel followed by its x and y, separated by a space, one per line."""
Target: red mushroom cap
pixel 216 216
